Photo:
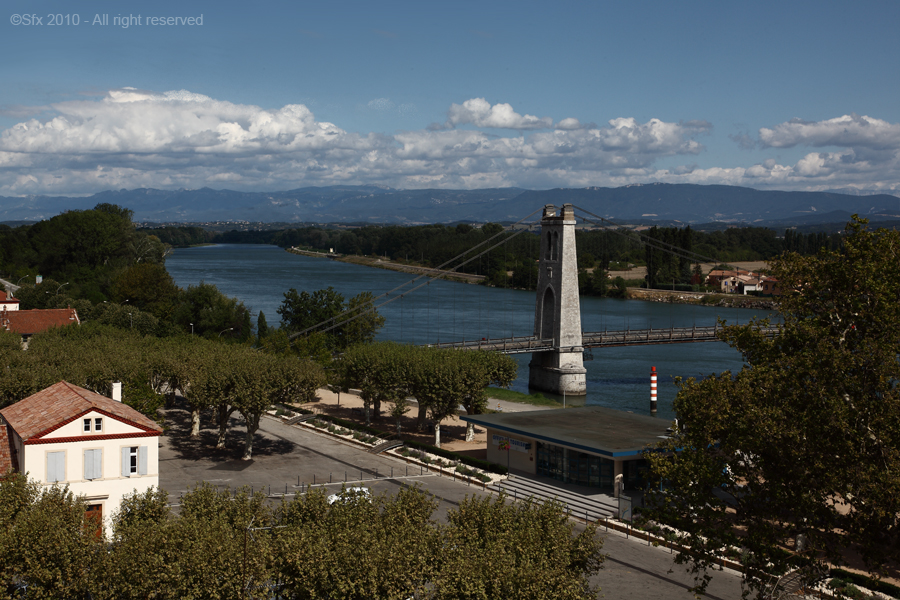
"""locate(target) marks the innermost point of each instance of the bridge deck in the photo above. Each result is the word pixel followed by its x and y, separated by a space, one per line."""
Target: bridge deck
pixel 601 339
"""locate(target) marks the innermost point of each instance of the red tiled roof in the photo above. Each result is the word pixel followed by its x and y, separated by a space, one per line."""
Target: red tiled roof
pixel 7 299
pixel 8 460
pixel 62 403
pixel 28 322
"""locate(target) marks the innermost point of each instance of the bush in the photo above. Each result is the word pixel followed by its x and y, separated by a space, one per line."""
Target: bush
pixel 468 460
pixel 847 578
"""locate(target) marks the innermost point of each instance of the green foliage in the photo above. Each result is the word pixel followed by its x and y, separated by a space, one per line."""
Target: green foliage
pixel 87 248
pixel 148 286
pixel 225 544
pixel 213 314
pixel 45 540
pixel 344 324
pixel 805 438
pixel 526 550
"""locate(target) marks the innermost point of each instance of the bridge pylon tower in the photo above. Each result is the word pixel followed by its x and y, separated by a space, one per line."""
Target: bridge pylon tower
pixel 557 311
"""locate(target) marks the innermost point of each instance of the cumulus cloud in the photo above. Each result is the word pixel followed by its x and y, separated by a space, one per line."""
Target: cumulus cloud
pixel 480 113
pixel 848 130
pixel 131 138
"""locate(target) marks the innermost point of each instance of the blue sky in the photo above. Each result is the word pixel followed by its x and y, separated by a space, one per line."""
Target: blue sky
pixel 280 95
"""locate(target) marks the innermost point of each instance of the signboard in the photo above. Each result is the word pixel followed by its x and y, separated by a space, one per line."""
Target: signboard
pixel 517 445
pixel 625 508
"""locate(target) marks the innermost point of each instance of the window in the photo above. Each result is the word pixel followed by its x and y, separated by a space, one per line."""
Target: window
pixel 97 424
pixel 56 466
pixel 134 461
pixel 93 464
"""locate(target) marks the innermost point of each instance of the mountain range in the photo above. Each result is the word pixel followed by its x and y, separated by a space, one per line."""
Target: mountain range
pixel 685 203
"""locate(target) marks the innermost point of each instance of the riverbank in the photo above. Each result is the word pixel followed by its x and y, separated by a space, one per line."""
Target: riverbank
pixel 703 299
pixel 383 263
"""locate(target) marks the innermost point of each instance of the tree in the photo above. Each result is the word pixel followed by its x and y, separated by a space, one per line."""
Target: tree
pixel 355 322
pixel 45 539
pixel 805 439
pixel 525 550
pixel 388 547
pixel 211 313
pixel 147 286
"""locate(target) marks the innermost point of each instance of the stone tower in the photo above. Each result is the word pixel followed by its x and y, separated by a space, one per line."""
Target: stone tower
pixel 557 311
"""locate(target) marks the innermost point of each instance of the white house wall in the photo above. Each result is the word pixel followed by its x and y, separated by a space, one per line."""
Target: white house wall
pixel 112 486
pixel 111 426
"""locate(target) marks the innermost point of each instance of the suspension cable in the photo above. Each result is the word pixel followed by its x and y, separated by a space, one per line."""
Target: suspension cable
pixel 440 270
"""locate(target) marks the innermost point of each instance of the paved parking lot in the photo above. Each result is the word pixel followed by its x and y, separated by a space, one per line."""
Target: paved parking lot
pixel 284 456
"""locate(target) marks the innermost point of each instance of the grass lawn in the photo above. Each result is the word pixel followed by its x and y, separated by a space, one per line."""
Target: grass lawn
pixel 511 396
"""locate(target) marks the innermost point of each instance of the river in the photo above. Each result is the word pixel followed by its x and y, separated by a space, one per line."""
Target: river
pixel 446 311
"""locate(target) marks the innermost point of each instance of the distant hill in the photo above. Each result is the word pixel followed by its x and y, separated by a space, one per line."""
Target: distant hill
pixel 684 203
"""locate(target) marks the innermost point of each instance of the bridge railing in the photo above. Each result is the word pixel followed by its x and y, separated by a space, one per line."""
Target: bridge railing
pixel 627 337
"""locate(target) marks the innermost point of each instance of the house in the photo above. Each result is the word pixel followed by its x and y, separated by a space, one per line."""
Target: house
pixel 771 286
pixel 28 322
pixel 98 446
pixel 7 302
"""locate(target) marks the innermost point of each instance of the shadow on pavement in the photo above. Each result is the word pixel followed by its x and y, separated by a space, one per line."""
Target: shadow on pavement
pixel 178 423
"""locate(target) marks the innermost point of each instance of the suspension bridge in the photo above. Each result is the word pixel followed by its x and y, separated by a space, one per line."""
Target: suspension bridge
pixel 557 343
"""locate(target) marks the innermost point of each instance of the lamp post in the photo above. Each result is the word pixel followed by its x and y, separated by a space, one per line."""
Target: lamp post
pixel 224 330
pixel 60 287
pixel 192 329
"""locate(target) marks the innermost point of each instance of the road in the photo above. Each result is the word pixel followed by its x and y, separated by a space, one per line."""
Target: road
pixel 284 456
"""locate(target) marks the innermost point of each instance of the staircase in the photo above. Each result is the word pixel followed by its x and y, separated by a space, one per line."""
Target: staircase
pixel 580 502
pixel 383 446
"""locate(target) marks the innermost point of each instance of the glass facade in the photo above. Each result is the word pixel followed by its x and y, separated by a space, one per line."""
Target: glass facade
pixel 579 468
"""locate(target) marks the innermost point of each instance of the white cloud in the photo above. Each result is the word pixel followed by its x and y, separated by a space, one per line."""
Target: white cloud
pixel 480 113
pixel 132 138
pixel 848 130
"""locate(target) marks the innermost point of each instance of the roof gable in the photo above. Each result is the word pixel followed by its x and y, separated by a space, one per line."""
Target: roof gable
pixel 62 403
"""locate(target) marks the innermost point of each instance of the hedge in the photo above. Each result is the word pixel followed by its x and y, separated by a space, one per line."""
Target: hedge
pixel 467 460
pixel 867 582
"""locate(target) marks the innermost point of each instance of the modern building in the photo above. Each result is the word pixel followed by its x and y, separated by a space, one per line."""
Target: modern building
pixel 586 446
pixel 98 446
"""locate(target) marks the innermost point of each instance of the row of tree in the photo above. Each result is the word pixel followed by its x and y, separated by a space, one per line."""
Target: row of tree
pixel 514 264
pixel 221 378
pixel 441 380
pixel 226 545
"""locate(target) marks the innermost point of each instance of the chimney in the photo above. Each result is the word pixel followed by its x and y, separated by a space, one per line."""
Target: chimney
pixel 117 391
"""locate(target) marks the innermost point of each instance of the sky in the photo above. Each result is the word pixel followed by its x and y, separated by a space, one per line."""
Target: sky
pixel 268 96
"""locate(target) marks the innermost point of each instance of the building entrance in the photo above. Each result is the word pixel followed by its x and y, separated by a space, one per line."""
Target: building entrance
pixel 571 466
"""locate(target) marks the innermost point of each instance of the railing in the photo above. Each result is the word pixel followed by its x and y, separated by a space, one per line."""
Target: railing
pixel 601 339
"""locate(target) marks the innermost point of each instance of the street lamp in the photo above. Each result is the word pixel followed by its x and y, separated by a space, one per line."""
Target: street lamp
pixel 60 287
pixel 192 329
pixel 224 330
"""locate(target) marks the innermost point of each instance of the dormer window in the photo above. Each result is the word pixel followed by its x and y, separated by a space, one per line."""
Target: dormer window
pixel 98 424
pixel 87 425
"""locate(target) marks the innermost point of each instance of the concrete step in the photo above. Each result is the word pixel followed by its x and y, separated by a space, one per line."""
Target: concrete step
pixel 577 504
pixel 385 446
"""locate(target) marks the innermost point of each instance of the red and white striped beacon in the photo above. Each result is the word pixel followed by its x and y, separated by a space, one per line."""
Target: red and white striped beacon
pixel 653 390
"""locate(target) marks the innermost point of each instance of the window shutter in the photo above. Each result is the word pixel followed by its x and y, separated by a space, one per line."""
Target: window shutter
pixel 56 466
pixel 93 464
pixel 142 460
pixel 126 462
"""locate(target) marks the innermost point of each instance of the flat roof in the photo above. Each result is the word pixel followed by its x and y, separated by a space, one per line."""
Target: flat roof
pixel 595 429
